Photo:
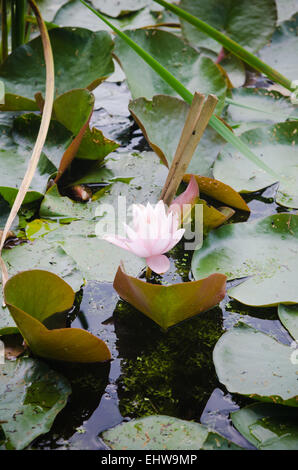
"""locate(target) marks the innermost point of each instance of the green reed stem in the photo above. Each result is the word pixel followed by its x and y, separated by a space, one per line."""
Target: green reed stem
pixel 18 13
pixel 230 45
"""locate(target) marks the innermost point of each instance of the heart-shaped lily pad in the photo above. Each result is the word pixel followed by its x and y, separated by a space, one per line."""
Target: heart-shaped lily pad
pixel 277 147
pixel 288 315
pixel 252 363
pixel 75 50
pixel 263 250
pixel 160 432
pixel 193 70
pixel 168 305
pixel 33 296
pixel 162 121
pixel 242 20
pixel 284 39
pixel 268 427
pixel 31 396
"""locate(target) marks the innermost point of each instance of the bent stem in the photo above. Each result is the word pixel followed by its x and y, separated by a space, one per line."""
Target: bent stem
pixel 214 122
pixel 42 133
pixel 230 45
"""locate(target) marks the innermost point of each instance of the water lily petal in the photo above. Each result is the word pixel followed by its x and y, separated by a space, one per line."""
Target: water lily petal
pixel 159 264
pixel 187 197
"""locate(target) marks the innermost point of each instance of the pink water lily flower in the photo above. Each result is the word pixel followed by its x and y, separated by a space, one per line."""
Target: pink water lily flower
pixel 155 231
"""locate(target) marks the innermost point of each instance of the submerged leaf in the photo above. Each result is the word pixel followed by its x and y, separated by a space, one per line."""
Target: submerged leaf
pixel 168 305
pixel 288 315
pixel 268 427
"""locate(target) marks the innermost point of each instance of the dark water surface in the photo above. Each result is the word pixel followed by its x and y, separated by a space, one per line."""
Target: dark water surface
pixel 152 372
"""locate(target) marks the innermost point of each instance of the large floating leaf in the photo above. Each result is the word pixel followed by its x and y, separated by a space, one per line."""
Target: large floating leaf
pixel 162 121
pixel 32 296
pixel 13 166
pixel 288 315
pixel 253 107
pixel 277 146
pixel 284 39
pixel 48 8
pixel 242 20
pixel 268 427
pixel 37 255
pixel 74 13
pixel 164 433
pixel 119 7
pixel 77 63
pixel 252 363
pixel 31 396
pixel 192 69
pixel 263 250
pixel 168 305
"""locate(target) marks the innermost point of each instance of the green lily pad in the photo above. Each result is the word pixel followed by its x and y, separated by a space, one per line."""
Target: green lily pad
pixel 284 39
pixel 37 255
pixel 192 69
pixel 117 8
pixel 164 433
pixel 75 51
pixel 162 121
pixel 24 133
pixel 74 13
pixel 252 363
pixel 277 146
pixel 263 250
pixel 288 315
pixel 286 9
pixel 31 397
pixel 31 297
pixel 169 305
pixel 256 106
pixel 243 21
pixel 49 8
pixel 13 166
pixel 268 427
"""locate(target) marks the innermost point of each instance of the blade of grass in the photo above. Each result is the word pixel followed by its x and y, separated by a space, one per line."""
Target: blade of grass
pixel 42 134
pixel 188 96
pixel 259 110
pixel 230 45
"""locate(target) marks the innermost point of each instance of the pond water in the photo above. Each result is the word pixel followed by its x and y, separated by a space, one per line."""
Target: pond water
pixel 152 372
